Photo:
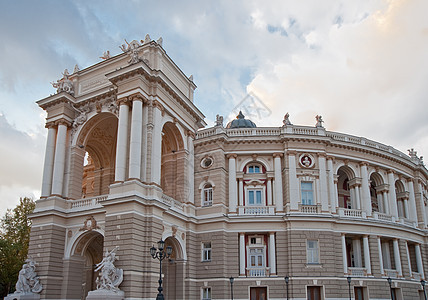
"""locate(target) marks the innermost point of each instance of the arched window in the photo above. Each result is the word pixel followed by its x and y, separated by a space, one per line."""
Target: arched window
pixel 207 195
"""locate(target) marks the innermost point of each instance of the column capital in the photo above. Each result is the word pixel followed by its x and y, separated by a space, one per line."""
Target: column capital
pixel 137 97
pixel 231 155
pixel 292 152
pixel 391 172
pixel 158 105
pixel 122 101
pixel 410 179
pixel 364 164
pixel 63 122
pixel 332 158
pixel 50 124
pixel 242 233
pixel 191 134
pixel 278 154
pixel 322 154
pixel 272 232
pixel 343 234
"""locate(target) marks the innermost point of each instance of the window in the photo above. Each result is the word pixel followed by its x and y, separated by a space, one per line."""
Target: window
pixel 307 193
pixel 206 293
pixel 254 197
pixel 254 169
pixel 206 251
pixel 256 257
pixel 359 293
pixel 312 252
pixel 207 195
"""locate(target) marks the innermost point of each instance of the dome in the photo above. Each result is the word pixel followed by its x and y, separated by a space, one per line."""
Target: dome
pixel 241 122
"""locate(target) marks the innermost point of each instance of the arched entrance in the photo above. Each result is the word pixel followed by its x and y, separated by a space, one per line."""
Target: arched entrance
pixel 93 157
pixel 173 163
pixel 174 271
pixel 79 271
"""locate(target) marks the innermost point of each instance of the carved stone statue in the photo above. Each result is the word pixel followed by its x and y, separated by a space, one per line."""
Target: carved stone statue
pixel 319 121
pixel 76 69
pixel 286 120
pixel 160 41
pixel 28 283
pixel 106 55
pixel 109 277
pixel 147 39
pixel 219 120
pixel 64 84
pixel 132 50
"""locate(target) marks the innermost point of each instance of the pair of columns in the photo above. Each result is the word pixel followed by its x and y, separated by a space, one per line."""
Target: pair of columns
pixel 54 165
pixel 243 258
pixel 277 186
pixel 357 254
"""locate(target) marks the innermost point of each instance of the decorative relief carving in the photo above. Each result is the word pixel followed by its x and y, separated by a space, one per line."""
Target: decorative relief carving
pixel 89 224
pixel 28 281
pixel 306 161
pixel 64 84
pixel 103 135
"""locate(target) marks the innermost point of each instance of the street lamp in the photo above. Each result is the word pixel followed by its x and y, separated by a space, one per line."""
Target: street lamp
pixel 423 282
pixel 349 286
pixel 160 254
pixel 287 279
pixel 231 279
pixel 390 288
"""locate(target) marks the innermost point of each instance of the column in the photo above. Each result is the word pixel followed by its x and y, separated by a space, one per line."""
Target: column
pixel 272 253
pixel 365 191
pixel 241 191
pixel 392 197
pixel 379 198
pixel 331 185
pixel 122 139
pixel 357 196
pixel 397 259
pixel 278 182
pixel 136 135
pixel 232 183
pixel 241 254
pixel 336 192
pixel 406 208
pixel 191 166
pixel 59 161
pixel 413 214
pixel 419 260
pixel 385 203
pixel 269 191
pixel 293 182
pixel 408 259
pixel 379 245
pixel 344 256
pixel 49 162
pixel 367 261
pixel 421 205
pixel 323 182
pixel 156 155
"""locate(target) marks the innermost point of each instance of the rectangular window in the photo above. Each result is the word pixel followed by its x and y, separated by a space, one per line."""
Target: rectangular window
pixel 307 193
pixel 206 251
pixel 254 197
pixel 256 257
pixel 206 293
pixel 314 292
pixel 208 197
pixel 253 169
pixel 312 252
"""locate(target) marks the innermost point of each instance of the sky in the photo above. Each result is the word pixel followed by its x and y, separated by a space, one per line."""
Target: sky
pixel 362 65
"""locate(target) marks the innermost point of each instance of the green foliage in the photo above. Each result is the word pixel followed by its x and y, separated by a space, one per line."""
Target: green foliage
pixel 14 239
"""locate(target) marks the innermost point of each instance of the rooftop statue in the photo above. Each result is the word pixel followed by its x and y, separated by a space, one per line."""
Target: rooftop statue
pixel 64 84
pixel 286 120
pixel 106 55
pixel 319 121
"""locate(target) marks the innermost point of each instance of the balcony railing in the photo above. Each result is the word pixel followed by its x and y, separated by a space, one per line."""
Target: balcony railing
pixel 310 209
pixel 391 273
pixel 416 276
pixel 86 203
pixel 172 202
pixel 383 217
pixel 256 210
pixel 352 213
pixel 407 222
pixel 357 272
pixel 258 272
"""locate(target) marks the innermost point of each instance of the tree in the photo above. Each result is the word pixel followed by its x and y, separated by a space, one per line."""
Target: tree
pixel 14 239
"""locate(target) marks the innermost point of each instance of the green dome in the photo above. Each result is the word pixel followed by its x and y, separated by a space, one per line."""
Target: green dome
pixel 241 122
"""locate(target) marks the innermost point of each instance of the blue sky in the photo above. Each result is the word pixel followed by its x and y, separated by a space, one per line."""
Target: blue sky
pixel 362 65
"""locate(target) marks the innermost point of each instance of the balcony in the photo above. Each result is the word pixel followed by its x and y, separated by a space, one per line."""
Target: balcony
pixel 352 213
pixel 357 272
pixel 256 210
pixel 383 217
pixel 86 203
pixel 407 222
pixel 416 276
pixel 391 273
pixel 310 209
pixel 258 272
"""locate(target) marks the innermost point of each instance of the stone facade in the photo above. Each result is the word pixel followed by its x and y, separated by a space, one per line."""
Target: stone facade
pixel 128 163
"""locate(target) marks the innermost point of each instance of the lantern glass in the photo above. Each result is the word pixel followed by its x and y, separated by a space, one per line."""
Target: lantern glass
pixel 231 279
pixel 287 279
pixel 169 250
pixel 161 245
pixel 153 251
pixel 349 279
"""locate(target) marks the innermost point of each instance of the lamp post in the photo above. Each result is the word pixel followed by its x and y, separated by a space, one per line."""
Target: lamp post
pixel 390 288
pixel 287 279
pixel 231 279
pixel 160 254
pixel 423 282
pixel 349 286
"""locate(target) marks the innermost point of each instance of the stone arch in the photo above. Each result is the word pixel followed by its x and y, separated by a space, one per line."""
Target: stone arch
pixel 95 143
pixel 79 264
pixel 346 195
pixel 173 163
pixel 268 165
pixel 402 197
pixel 376 189
pixel 174 269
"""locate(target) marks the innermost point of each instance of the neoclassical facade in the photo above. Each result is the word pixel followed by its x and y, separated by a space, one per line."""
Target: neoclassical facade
pixel 129 162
